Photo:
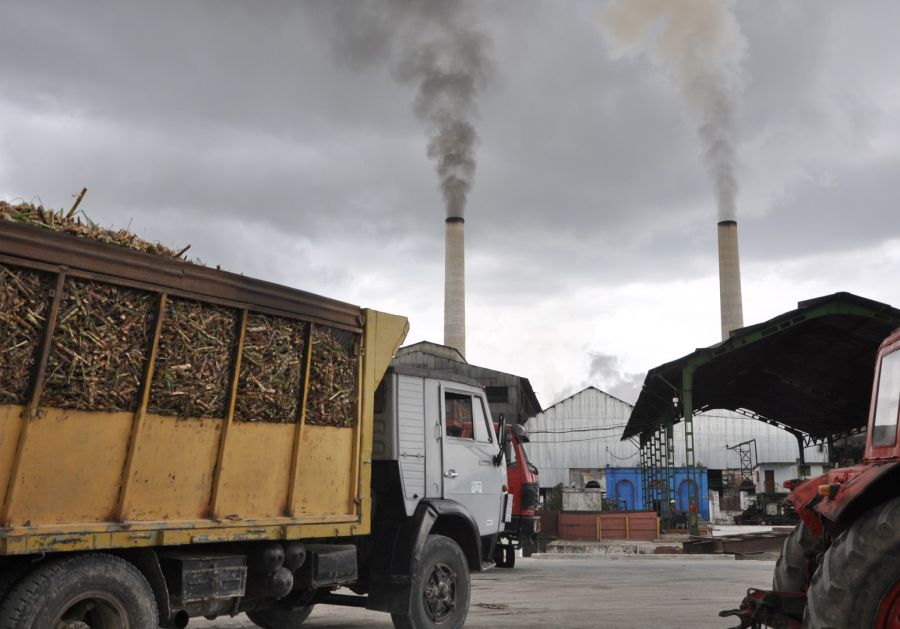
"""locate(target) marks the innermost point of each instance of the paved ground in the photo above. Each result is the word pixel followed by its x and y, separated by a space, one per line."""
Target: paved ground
pixel 543 592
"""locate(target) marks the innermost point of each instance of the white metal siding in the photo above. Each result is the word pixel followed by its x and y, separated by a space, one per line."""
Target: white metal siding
pixel 584 431
pixel 411 434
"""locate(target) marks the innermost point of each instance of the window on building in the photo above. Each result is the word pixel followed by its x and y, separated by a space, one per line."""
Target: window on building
pixel 497 394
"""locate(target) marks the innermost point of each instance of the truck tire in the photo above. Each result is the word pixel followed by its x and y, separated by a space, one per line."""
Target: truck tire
pixel 528 547
pixel 792 567
pixel 505 556
pixel 10 575
pixel 98 591
pixel 858 583
pixel 275 618
pixel 441 588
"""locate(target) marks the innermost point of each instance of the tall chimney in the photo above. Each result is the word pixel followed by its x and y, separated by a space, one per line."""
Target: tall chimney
pixel 730 279
pixel 455 285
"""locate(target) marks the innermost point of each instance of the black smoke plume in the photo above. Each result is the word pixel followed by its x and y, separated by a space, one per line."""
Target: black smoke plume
pixel 435 46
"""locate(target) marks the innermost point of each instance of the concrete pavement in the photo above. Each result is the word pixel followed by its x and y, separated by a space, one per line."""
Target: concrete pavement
pixel 573 592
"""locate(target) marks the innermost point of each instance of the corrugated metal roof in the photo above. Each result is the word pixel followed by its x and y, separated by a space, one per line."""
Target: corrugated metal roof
pixel 808 370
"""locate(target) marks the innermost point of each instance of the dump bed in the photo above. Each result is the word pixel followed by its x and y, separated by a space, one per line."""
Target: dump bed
pixel 150 401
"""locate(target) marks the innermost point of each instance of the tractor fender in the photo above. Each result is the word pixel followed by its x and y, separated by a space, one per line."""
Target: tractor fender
pixel 804 499
pixel 853 493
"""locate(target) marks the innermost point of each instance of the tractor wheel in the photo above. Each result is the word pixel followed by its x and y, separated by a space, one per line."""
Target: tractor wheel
pixel 858 583
pixel 94 591
pixel 276 618
pixel 792 569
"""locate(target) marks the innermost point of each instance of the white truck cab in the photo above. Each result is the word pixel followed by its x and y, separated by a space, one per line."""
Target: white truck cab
pixel 436 429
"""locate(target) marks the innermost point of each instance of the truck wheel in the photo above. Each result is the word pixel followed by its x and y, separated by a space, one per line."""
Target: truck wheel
pixel 10 575
pixel 441 588
pixel 81 592
pixel 274 618
pixel 792 568
pixel 528 548
pixel 858 583
pixel 505 556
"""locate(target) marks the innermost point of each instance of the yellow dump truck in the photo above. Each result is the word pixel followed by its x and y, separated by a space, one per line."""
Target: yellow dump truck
pixel 179 441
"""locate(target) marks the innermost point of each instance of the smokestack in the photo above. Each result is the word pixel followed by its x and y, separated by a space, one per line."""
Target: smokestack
pixel 730 279
pixel 455 285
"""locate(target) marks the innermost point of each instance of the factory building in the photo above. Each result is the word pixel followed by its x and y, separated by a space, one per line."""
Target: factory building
pixel 573 441
pixel 577 442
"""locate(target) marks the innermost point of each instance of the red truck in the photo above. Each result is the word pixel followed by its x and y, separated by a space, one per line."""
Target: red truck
pixel 524 488
pixel 840 567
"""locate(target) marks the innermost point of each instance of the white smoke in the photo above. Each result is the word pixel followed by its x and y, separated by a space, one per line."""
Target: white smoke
pixel 699 44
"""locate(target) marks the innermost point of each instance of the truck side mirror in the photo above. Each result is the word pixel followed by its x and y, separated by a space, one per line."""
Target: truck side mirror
pixel 502 440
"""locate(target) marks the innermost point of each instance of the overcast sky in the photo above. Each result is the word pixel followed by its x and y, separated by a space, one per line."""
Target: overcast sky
pixel 249 131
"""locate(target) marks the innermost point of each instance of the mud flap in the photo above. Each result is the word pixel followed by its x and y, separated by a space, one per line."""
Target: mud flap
pixel 391 583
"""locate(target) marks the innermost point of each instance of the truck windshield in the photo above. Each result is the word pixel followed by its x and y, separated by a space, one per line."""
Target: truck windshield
pixel 884 428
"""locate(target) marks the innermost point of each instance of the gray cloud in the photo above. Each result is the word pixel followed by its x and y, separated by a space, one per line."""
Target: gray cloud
pixel 239 129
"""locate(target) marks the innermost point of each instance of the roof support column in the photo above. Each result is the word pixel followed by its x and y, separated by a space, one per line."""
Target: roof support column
pixel 662 477
pixel 645 484
pixel 651 475
pixel 687 403
pixel 671 495
pixel 656 476
pixel 801 466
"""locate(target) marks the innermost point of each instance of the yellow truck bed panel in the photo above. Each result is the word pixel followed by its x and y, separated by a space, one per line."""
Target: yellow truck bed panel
pixel 173 469
pixel 255 477
pixel 70 468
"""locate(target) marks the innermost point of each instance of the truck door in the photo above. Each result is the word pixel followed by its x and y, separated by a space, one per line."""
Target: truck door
pixel 468 447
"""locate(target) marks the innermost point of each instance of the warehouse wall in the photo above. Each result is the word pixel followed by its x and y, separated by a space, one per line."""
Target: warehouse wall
pixel 584 431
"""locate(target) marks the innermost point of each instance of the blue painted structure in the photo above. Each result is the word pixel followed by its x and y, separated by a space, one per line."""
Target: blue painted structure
pixel 623 484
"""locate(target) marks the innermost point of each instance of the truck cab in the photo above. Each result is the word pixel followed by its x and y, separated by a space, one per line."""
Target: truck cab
pixel 433 433
pixel 524 487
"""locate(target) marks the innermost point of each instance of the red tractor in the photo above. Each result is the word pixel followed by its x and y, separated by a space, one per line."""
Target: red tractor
pixel 840 567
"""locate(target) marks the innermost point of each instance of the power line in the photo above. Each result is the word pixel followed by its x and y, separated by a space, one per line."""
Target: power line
pixel 621 458
pixel 563 431
pixel 577 440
